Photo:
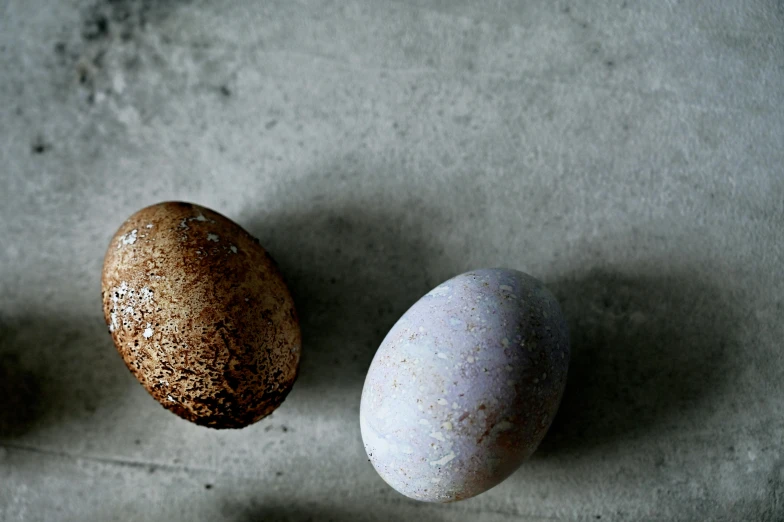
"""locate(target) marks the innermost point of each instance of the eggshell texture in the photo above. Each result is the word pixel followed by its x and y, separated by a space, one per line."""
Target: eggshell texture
pixel 200 314
pixel 465 385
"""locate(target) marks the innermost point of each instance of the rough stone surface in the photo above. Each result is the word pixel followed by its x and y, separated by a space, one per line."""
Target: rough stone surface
pixel 465 385
pixel 626 152
pixel 200 314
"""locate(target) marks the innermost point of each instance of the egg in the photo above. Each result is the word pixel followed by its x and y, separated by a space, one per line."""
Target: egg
pixel 465 385
pixel 201 315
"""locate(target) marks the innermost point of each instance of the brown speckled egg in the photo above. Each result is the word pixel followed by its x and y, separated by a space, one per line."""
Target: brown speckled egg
pixel 200 314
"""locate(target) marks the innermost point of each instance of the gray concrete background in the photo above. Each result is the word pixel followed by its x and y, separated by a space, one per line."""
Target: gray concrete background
pixel 628 153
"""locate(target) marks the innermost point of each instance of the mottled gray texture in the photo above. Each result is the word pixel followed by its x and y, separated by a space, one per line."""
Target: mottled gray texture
pixel 628 153
pixel 465 385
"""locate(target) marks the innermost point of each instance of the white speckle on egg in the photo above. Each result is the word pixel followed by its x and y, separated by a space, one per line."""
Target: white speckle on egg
pixel 233 249
pixel 148 331
pixel 212 237
pixel 442 355
pixel 503 426
pixel 149 225
pixel 447 426
pixel 444 460
pixel 438 436
pixel 171 399
pixel 424 422
pixel 146 295
pixel 442 402
pixel 128 239
pixel 439 291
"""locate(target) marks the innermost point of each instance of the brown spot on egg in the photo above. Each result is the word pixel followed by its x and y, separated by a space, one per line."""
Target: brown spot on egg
pixel 177 286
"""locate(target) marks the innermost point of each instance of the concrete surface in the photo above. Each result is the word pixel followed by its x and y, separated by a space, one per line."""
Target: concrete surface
pixel 629 153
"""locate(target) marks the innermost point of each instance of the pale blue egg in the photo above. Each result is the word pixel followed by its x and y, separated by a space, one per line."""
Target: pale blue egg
pixel 465 385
